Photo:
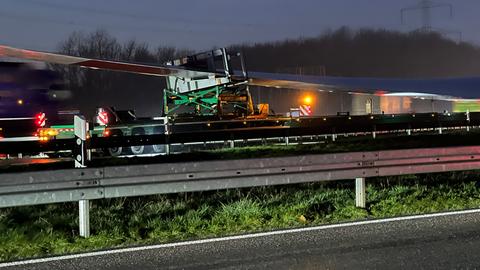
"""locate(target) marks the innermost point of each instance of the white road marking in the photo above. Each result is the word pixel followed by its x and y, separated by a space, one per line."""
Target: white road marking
pixel 16 118
pixel 237 237
pixel 19 139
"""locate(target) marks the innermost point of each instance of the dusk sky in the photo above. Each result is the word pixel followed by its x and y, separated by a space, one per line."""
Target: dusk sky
pixel 41 24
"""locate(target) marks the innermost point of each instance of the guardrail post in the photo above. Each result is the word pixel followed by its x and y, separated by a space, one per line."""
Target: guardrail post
pixel 468 120
pixel 360 194
pixel 334 137
pixel 440 130
pixel 167 135
pixel 286 140
pixel 84 218
pixel 80 151
pixel 409 132
pixel 81 154
pixel 374 134
pixel 232 144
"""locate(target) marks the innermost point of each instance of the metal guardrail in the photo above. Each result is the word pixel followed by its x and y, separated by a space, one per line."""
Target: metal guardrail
pixel 82 185
pixel 32 188
pixel 237 130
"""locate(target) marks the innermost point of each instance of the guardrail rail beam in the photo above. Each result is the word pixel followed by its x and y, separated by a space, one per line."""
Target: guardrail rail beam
pixel 81 185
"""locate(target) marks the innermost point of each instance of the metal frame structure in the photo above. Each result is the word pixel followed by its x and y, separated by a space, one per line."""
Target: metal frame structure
pixel 203 96
pixel 204 101
pixel 425 6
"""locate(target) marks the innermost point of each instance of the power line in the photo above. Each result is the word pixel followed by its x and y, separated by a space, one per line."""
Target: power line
pixel 426 7
pixel 133 16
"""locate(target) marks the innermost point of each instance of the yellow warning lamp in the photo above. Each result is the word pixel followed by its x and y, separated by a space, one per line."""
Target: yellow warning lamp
pixel 307 100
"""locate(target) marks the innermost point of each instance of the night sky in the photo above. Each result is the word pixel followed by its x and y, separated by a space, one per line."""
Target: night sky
pixel 199 25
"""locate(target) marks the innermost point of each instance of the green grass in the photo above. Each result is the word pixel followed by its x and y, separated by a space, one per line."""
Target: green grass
pixel 53 229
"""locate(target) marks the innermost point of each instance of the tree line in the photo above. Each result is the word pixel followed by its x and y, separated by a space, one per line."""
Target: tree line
pixel 343 52
pixel 368 53
pixel 98 88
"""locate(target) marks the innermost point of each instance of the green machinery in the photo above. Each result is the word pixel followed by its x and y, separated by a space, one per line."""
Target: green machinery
pixel 222 95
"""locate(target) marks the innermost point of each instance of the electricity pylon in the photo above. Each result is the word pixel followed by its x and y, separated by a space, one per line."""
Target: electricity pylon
pixel 426 6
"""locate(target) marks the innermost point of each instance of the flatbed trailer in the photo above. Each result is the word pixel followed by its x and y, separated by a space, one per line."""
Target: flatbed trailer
pixel 211 130
pixel 206 94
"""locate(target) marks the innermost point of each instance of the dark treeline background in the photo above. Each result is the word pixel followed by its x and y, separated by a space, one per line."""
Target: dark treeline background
pixel 368 53
pixel 98 88
pixel 344 52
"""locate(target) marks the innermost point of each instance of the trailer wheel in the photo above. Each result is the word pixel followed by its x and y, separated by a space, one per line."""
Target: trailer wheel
pixel 115 151
pixel 137 149
pixel 158 148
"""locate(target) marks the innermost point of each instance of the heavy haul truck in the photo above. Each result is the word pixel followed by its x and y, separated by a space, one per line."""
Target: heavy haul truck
pixel 206 92
pixel 218 98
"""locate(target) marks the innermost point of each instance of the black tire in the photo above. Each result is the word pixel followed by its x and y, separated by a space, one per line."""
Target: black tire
pixel 158 148
pixel 115 151
pixel 137 149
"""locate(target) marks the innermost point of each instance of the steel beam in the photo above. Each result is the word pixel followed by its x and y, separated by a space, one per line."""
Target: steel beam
pixel 137 180
pixel 37 197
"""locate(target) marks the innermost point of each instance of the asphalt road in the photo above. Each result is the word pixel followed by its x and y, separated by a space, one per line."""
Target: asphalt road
pixel 439 242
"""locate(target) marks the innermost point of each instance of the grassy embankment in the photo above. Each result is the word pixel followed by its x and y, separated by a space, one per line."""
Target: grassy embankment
pixel 53 229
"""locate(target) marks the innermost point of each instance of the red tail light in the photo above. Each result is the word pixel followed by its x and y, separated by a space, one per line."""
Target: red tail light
pixel 40 119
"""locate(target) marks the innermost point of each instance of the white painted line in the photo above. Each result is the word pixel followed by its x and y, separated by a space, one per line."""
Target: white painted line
pixel 18 118
pixel 19 139
pixel 237 237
